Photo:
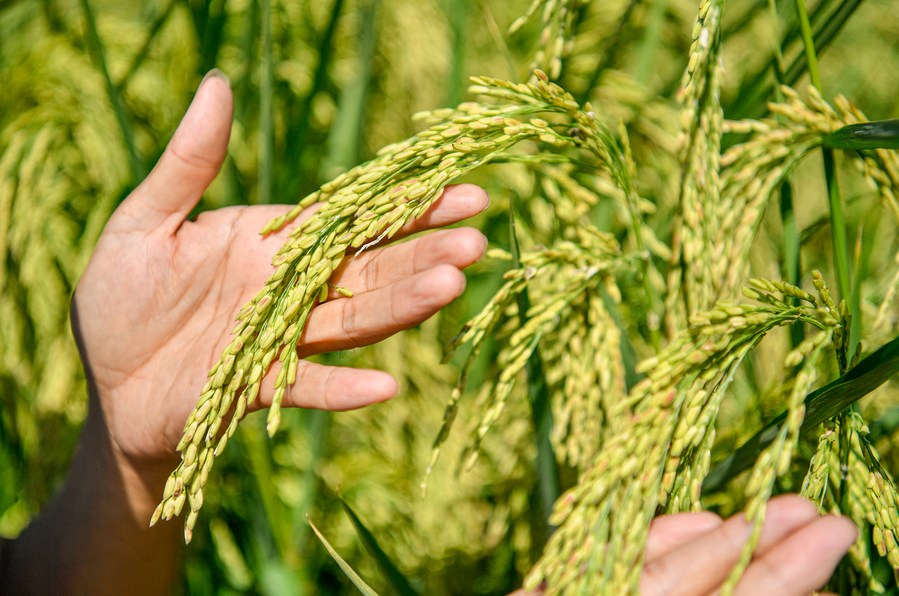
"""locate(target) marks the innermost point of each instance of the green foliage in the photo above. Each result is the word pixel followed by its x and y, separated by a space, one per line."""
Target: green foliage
pixel 608 322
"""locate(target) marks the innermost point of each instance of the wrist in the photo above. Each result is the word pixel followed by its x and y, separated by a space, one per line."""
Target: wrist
pixel 94 535
pixel 99 459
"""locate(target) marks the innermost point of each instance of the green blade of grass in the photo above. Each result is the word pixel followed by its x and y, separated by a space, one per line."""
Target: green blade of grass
pixel 392 574
pixel 259 457
pixel 299 121
pixel 821 404
pixel 457 14
pixel 344 147
pixel 841 255
pixel 883 134
pixel 209 19
pixel 752 97
pixel 115 99
pixel 541 414
pixel 266 107
pixel 651 39
pixel 344 566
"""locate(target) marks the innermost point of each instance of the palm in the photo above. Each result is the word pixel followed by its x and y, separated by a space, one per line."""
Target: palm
pixel 153 310
pixel 171 297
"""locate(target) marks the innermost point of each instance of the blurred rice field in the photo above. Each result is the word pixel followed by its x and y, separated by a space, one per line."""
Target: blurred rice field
pixel 91 92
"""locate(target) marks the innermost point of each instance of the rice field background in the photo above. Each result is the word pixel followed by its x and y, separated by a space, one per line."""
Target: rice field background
pixel 92 90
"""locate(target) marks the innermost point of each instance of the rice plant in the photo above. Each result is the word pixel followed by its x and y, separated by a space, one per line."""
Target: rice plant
pixel 681 310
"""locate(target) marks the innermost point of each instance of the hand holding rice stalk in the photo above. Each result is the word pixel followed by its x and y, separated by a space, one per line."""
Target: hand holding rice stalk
pixel 669 415
pixel 368 205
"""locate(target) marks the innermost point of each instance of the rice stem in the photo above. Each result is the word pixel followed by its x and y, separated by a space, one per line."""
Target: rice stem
pixel 266 107
pixel 115 99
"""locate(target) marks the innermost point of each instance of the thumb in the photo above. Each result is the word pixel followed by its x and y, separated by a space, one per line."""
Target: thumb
pixel 190 161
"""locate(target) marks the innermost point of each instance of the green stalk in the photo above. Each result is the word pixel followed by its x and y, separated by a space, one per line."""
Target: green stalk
pixel 650 42
pixel 838 230
pixel 837 219
pixel 826 26
pixel 809 44
pixel 841 265
pixel 266 107
pixel 791 236
pixel 259 457
pixel 538 394
pixel 297 141
pixel 142 54
pixel 457 11
pixel 96 46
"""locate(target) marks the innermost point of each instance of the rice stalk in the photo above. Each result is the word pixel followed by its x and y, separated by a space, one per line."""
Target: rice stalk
pixel 692 285
pixel 776 458
pixel 586 376
pixel 555 278
pixel 556 20
pixel 873 497
pixel 603 521
pixel 360 208
pixel 755 168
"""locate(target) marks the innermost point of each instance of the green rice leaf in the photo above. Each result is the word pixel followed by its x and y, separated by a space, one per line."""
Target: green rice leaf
pixel 821 404
pixel 883 134
pixel 344 566
pixel 391 573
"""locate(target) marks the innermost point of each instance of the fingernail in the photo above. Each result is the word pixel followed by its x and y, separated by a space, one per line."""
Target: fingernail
pixel 217 74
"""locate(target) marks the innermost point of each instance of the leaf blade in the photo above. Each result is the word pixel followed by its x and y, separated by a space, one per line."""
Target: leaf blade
pixel 881 134
pixel 360 584
pixel 821 404
pixel 391 573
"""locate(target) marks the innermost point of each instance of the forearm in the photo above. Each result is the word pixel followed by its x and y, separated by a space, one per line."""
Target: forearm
pixel 94 536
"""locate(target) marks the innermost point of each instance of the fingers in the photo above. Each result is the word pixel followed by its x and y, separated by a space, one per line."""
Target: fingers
pixel 378 314
pixel 457 203
pixel 188 165
pixel 379 268
pixel 702 564
pixel 671 531
pixel 330 388
pixel 803 561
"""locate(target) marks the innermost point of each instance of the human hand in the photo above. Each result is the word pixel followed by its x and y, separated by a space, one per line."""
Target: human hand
pixel 151 315
pixel 152 312
pixel 797 552
pixel 694 553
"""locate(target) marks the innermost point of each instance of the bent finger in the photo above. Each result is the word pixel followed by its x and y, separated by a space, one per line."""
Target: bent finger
pixel 668 532
pixel 802 562
pixel 458 202
pixel 460 248
pixel 333 388
pixel 702 564
pixel 373 316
